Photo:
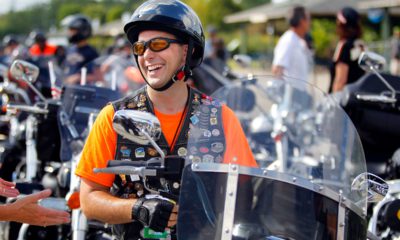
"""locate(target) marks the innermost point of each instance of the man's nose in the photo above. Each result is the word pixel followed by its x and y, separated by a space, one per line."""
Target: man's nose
pixel 148 53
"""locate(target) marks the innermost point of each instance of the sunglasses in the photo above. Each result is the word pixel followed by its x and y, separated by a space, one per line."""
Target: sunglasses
pixel 156 45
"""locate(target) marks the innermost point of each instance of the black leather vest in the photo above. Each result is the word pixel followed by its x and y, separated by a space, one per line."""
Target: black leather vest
pixel 203 112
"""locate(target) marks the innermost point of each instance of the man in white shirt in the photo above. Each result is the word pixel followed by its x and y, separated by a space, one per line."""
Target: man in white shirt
pixel 292 57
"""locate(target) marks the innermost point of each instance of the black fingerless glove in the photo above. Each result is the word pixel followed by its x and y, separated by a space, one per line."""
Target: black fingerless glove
pixel 153 212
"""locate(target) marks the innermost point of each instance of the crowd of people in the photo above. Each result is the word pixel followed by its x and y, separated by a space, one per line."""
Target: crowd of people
pixel 293 54
pixel 71 58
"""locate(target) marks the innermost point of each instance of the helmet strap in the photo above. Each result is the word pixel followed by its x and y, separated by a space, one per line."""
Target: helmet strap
pixel 181 74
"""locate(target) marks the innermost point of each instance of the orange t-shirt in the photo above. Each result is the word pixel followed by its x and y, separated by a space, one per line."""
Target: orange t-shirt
pixel 101 143
pixel 169 125
pixel 48 50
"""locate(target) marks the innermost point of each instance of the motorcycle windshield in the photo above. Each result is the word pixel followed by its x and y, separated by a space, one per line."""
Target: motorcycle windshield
pixel 79 102
pixel 117 71
pixel 308 154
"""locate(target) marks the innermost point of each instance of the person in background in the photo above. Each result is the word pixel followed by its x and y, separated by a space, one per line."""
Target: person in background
pixel 27 209
pixel 292 56
pixel 215 52
pixel 345 69
pixel 79 53
pixel 122 61
pixel 395 53
pixel 13 49
pixel 40 45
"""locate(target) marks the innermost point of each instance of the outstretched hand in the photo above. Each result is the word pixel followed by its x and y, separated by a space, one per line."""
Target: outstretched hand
pixel 27 210
pixel 7 189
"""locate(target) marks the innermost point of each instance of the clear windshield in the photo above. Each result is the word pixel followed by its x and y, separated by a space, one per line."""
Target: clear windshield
pixel 117 71
pixel 307 151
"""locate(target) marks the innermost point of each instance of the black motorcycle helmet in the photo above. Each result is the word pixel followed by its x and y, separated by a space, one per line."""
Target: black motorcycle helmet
pixel 37 36
pixel 174 17
pixel 81 24
pixel 10 39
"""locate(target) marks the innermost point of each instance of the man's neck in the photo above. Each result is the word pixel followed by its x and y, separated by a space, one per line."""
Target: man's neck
pixel 298 32
pixel 82 43
pixel 170 101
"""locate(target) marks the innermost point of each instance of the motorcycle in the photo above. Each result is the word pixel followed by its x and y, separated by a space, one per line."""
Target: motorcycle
pixel 51 155
pixel 314 185
pixel 373 105
pixel 369 102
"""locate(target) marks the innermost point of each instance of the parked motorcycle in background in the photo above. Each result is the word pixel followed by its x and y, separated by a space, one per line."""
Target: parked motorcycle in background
pixel 55 133
pixel 374 107
pixel 316 187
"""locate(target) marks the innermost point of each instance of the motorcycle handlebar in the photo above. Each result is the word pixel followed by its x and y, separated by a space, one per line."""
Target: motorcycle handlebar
pixel 376 98
pixel 10 88
pixel 26 108
pixel 128 170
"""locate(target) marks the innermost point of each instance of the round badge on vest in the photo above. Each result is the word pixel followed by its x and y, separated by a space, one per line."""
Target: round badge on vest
pixel 208 158
pixel 215 132
pixel 182 152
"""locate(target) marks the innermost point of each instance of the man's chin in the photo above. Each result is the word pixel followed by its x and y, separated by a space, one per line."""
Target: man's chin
pixel 156 83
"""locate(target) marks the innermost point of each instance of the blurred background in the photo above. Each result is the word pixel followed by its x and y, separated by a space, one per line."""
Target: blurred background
pixel 247 27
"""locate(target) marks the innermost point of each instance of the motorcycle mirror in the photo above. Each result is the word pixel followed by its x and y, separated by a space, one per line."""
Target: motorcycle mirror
pixel 25 71
pixel 243 60
pixel 28 73
pixel 139 127
pixel 377 187
pixel 133 125
pixel 370 61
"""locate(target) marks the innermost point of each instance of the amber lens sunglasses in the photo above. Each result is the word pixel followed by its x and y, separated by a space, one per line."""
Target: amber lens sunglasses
pixel 155 45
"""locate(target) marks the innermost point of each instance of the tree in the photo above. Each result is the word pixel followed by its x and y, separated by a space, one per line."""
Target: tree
pixel 213 11
pixel 95 11
pixel 114 13
pixel 245 4
pixel 68 9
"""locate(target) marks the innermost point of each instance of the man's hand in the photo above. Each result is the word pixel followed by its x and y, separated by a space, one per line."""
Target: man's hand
pixel 7 189
pixel 27 210
pixel 156 213
pixel 277 71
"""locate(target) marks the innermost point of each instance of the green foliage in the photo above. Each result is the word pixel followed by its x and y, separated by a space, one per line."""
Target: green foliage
pixel 323 32
pixel 24 21
pixel 114 13
pixel 95 11
pixel 68 9
pixel 245 4
pixel 213 11
pixel 370 35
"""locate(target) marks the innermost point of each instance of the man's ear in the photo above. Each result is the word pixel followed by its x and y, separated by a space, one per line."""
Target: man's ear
pixel 185 49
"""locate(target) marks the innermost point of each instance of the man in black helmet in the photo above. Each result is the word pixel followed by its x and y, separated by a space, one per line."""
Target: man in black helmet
pixel 40 46
pixel 168 42
pixel 80 53
pixel 13 49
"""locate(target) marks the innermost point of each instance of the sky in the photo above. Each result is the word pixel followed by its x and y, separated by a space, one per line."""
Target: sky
pixel 5 5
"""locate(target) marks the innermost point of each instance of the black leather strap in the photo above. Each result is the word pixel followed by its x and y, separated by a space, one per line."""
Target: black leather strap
pixel 136 208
